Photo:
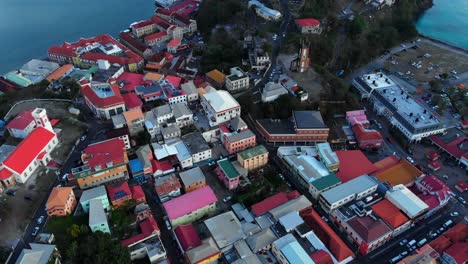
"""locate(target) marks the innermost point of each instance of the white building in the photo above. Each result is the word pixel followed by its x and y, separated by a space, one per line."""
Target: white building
pixel 220 107
pixel 406 201
pixel 272 91
pixel 162 113
pixel 191 91
pixel 182 115
pixel 26 121
pixel 263 11
pixel 398 106
pixel 287 250
pixel 197 146
pixel 237 81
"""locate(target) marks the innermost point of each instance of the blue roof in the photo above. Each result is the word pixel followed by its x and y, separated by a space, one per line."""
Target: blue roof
pixel 135 165
pixel 296 254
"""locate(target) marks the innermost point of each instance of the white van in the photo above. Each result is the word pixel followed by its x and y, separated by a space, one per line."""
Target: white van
pixel 448 223
pixel 411 243
pixel 422 242
pixel 395 259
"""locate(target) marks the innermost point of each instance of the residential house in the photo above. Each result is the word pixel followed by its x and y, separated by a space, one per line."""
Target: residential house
pixel 134 120
pixel 98 217
pixel 167 186
pixel 61 201
pixel 163 113
pixel 219 107
pixel 136 170
pixel 97 193
pixel 31 153
pixel 122 134
pixel 103 162
pixel 308 25
pixel 287 250
pixel 207 252
pixel 191 90
pixel 151 124
pixel 170 131
pixel 145 156
pixel 228 174
pixel 261 241
pixel 161 168
pixel 120 192
pixel 197 146
pixel 143 28
pixel 191 206
pixel 186 237
pixel 192 179
pixel 174 148
pixel 226 230
pixel 150 92
pixel 235 140
pixel 253 158
pixel 237 81
pixel 182 115
pixel 216 78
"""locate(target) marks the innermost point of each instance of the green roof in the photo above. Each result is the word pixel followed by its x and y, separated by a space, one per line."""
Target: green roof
pixel 323 183
pixel 253 152
pixel 92 70
pixel 228 169
pixel 19 80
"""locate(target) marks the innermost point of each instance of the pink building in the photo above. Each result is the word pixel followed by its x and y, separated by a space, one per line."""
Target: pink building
pixel 357 117
pixel 236 136
pixel 228 174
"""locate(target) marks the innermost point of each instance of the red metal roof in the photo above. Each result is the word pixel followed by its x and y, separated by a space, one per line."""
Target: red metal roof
pixel 161 165
pixel 5 174
pixel 148 227
pixel 118 190
pixel 187 236
pixel 132 100
pixel 363 134
pixel 435 165
pixel 137 192
pixel 28 150
pixel 321 257
pixel 133 41
pixel 369 229
pixel 101 153
pixel 459 252
pixel 353 163
pixel 161 22
pixel 141 24
pixel 269 203
pixel 389 213
pixel 451 147
pixel 130 80
pixel 174 42
pixel 307 22
pixel 22 120
pixel 432 155
pixel 105 102
pixel 174 80
pixel 462 185
pixel 190 202
pixel 170 183
pixel 156 35
pixel 326 234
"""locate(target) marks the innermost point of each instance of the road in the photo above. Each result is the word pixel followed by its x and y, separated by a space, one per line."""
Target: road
pixel 95 130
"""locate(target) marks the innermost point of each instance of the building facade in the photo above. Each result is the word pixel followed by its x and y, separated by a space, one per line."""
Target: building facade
pixel 61 202
pixel 253 158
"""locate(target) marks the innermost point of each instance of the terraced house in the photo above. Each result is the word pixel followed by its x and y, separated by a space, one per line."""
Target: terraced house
pixel 103 162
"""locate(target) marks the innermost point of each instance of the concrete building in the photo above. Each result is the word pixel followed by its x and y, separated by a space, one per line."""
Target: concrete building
pixel 197 146
pixel 192 179
pixel 216 78
pixel 225 229
pixel 37 70
pixel 191 90
pixel 328 156
pixel 103 162
pixel 354 189
pixel 310 173
pixel 97 217
pixel 162 113
pixel 236 136
pixel 237 80
pixel 26 121
pixel 97 193
pixel 228 174
pixel 103 99
pixel 182 115
pixel 167 186
pixel 190 206
pixel 398 107
pixel 219 107
pixel 407 201
pixel 61 201
pixel 39 254
pixel 264 11
pixel 272 91
pixel 304 127
pixel 253 158
pixel 392 216
pixel 134 120
pixel 170 131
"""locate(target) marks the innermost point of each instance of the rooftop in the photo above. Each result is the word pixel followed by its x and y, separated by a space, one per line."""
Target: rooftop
pixel 253 152
pixel 307 22
pixel 207 249
pixel 368 228
pixel 195 142
pixel 402 173
pixel 236 74
pixel 93 193
pixel 97 216
pixel 269 203
pixel 221 101
pixel 308 120
pixel 21 120
pixel 292 250
pixel 327 153
pixel 216 76
pixel 187 236
pixel 228 168
pixel 234 137
pixel 106 153
pixel 102 95
pixel 406 201
pixel 453 142
pixel 353 163
pixel 39 253
pixel 180 110
pixel 189 202
pixel 166 184
pixel 118 190
pixel 389 213
pixel 354 186
pixel 294 205
pixel 225 229
pixel 192 176
pixel 308 167
pixel 58 197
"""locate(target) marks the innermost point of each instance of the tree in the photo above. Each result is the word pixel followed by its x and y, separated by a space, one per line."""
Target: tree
pixel 435 86
pixel 74 231
pixel 357 26
pixel 267 47
pixel 143 137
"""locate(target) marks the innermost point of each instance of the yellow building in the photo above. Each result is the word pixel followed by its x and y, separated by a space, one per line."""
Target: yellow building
pixel 253 158
pixel 103 162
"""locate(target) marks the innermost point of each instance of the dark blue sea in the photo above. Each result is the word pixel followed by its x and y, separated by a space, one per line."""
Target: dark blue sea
pixel 446 21
pixel 29 27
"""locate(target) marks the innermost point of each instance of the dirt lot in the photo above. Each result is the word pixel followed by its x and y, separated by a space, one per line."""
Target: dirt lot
pixel 15 211
pixel 308 80
pixel 440 61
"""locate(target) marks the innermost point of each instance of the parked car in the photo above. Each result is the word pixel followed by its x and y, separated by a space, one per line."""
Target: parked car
pixel 35 231
pixel 404 253
pixel 11 192
pixel 404 241
pixel 410 159
pixel 461 200
pixel 168 225
pixel 83 138
pixel 454 214
pixel 227 198
pixel 40 220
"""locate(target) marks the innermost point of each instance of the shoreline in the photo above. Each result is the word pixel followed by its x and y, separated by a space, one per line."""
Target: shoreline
pixel 444 43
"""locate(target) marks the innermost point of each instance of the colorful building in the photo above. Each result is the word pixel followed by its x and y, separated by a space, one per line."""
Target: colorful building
pixel 235 141
pixel 103 99
pixel 103 162
pixel 97 193
pixel 253 158
pixel 26 121
pixel 328 156
pixel 61 201
pixel 228 174
pixel 167 186
pixel 191 206
pixel 308 25
pixel 192 179
pixel 98 217
pixel 392 215
pixel 216 78
pixel 119 193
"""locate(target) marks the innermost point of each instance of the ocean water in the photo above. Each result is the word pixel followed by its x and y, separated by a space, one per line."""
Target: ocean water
pixel 29 27
pixel 446 21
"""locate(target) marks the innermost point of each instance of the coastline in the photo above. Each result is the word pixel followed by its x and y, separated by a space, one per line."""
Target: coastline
pixel 444 43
